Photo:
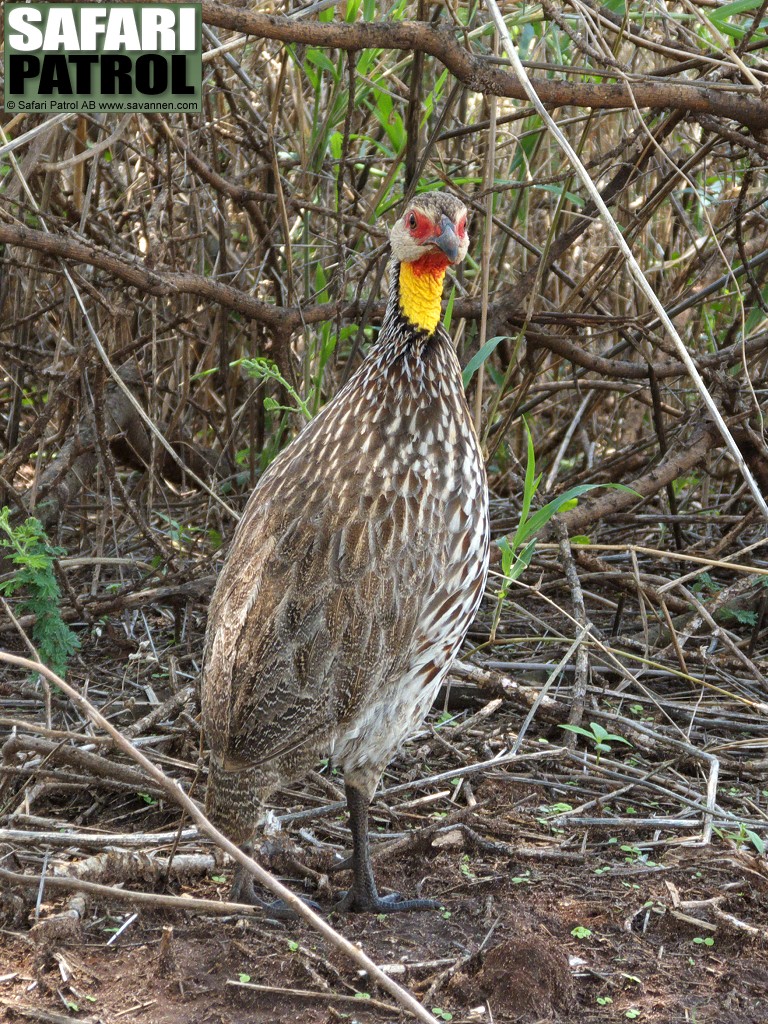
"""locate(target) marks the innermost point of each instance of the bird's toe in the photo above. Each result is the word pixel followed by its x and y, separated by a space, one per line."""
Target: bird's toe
pixel 352 902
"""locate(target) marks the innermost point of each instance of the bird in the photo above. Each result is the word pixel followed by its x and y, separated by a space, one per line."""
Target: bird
pixel 355 571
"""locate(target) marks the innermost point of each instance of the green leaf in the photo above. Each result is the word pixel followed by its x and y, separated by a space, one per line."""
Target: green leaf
pixel 558 191
pixel 264 369
pixel 522 561
pixel 29 550
pixel 742 615
pixel 335 144
pixel 320 59
pixel 597 734
pixel 530 485
pixel 449 311
pixel 543 515
pixel 480 357
pixel 756 840
pixel 578 729
pixel 719 18
pixel 507 555
pixel 244 978
pixel 737 7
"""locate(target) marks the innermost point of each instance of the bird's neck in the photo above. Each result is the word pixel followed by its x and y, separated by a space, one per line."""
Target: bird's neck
pixel 420 290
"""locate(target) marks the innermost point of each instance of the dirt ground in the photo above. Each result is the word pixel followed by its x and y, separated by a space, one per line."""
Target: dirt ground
pixel 554 926
pixel 210 281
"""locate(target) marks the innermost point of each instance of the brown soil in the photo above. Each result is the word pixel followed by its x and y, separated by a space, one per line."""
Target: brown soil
pixel 529 937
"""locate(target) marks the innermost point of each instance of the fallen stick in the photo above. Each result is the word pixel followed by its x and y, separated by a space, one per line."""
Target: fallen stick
pixel 176 793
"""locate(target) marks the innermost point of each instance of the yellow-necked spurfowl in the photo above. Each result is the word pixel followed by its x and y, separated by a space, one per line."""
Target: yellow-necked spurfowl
pixel 356 569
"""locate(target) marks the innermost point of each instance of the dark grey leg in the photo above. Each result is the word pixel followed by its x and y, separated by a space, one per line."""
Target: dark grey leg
pixel 363 896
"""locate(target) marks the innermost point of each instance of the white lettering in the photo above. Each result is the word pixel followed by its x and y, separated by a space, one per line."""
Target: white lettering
pixel 61 30
pixel 187 34
pixel 91 27
pixel 161 29
pixel 19 20
pixel 157 30
pixel 122 33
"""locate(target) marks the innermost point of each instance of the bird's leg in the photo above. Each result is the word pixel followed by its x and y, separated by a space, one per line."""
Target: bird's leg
pixel 243 891
pixel 363 896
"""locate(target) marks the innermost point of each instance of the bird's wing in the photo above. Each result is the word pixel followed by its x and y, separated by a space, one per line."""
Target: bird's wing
pixel 308 620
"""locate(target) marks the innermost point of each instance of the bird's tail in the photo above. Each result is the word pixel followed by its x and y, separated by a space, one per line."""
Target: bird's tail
pixel 232 801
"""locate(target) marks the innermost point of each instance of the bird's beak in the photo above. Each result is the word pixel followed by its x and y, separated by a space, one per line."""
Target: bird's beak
pixel 447 239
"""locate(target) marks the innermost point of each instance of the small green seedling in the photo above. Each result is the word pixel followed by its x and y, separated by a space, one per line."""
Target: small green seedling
pixel 560 808
pixel 580 932
pixel 635 854
pixel 442 1014
pixel 524 879
pixel 743 837
pixel 598 737
pixel 702 940
pixel 465 868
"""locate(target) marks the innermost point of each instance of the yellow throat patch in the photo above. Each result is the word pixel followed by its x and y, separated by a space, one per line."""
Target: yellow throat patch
pixel 421 291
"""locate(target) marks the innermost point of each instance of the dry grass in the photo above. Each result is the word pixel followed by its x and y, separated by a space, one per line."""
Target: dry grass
pixel 146 257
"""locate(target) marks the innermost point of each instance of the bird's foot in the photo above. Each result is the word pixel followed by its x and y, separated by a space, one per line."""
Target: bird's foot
pixel 342 864
pixel 280 910
pixel 244 891
pixel 353 902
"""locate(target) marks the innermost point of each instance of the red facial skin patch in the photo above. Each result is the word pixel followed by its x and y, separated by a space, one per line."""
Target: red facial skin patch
pixel 422 229
pixel 434 263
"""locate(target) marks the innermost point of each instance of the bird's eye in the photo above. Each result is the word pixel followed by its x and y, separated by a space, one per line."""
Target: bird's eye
pixel 461 227
pixel 412 221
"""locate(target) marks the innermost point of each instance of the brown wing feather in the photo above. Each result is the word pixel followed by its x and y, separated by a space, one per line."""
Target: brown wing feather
pixel 307 608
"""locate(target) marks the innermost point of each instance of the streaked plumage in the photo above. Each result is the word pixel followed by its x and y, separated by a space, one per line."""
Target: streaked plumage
pixel 356 569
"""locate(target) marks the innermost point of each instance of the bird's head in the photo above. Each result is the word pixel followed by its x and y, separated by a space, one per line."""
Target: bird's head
pixel 429 237
pixel 432 229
